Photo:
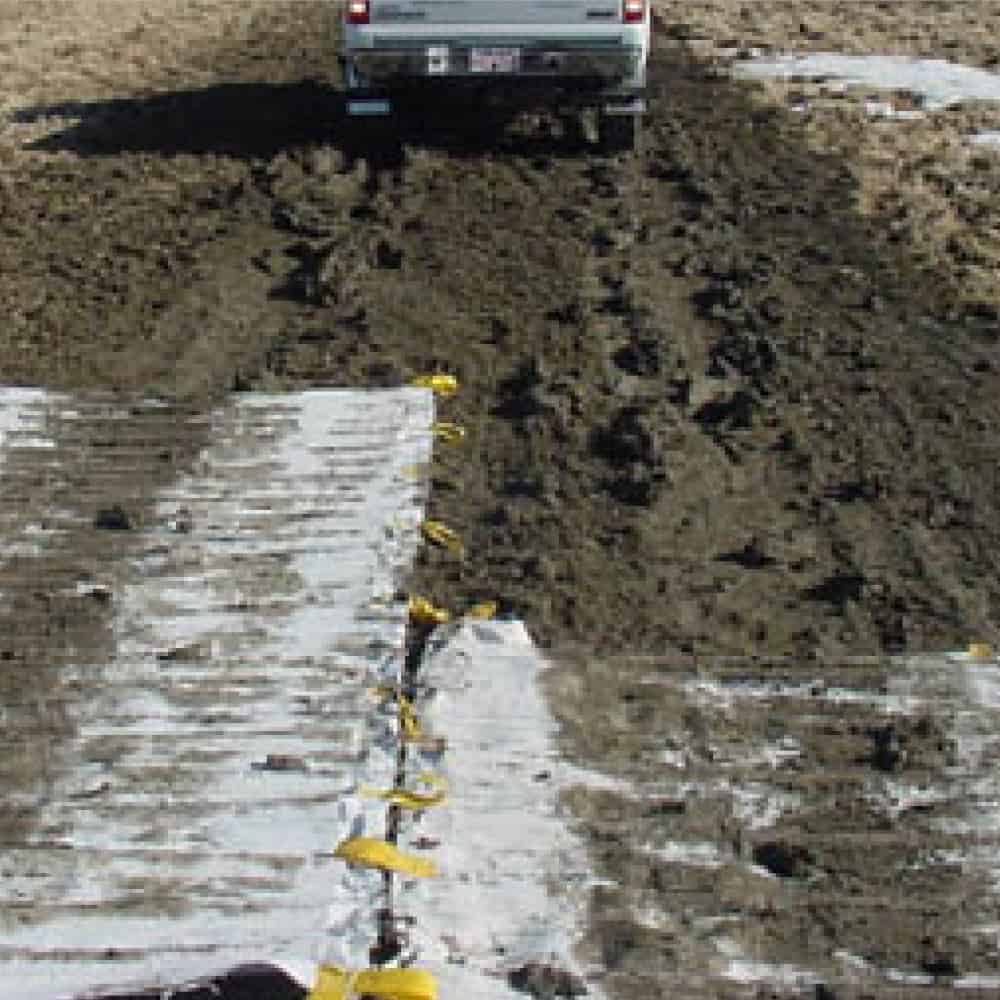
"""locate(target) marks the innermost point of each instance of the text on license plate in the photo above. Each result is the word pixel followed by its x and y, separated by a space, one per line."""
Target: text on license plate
pixel 494 60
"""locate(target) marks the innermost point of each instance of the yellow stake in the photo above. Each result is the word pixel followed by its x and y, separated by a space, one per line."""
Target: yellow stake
pixel 441 534
pixel 424 613
pixel 405 799
pixel 450 433
pixel 372 853
pixel 483 610
pixel 439 384
pixel 412 730
pixel 333 983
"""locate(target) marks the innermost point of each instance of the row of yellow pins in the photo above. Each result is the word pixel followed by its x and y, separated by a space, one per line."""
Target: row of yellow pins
pixel 334 983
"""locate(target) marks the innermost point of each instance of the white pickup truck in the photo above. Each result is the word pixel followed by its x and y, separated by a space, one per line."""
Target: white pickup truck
pixel 577 53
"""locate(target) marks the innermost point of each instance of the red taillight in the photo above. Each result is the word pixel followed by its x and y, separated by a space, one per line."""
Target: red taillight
pixel 634 11
pixel 358 11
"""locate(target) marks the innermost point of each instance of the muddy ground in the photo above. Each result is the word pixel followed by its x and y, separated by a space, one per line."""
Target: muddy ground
pixel 732 396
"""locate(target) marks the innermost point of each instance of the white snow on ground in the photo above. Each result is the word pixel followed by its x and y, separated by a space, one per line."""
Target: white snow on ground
pixel 253 622
pixel 940 83
pixel 694 854
pixel 989 139
pixel 514 880
pixel 730 694
pixel 744 970
pixel 757 805
pixel 964 688
pixel 13 405
pixel 972 688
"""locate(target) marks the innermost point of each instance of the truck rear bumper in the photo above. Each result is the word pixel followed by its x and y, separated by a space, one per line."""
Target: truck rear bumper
pixel 367 105
pixel 600 67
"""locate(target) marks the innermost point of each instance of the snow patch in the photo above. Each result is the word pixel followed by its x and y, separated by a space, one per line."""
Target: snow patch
pixel 940 84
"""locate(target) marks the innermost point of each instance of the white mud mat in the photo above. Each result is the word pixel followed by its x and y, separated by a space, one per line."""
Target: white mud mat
pixel 214 760
pixel 222 746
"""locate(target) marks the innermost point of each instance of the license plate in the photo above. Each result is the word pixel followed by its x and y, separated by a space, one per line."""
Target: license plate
pixel 494 60
pixel 361 108
pixel 437 60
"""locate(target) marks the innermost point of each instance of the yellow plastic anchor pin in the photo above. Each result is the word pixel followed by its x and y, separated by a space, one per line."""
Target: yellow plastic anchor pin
pixel 372 853
pixel 412 730
pixel 432 780
pixel 440 385
pixel 424 613
pixel 483 610
pixel 405 799
pixel 448 432
pixel 333 983
pixel 980 651
pixel 440 534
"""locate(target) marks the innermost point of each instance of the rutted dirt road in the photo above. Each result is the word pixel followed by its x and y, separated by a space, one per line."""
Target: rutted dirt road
pixel 721 399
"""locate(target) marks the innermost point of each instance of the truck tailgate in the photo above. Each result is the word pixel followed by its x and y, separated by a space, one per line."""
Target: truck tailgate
pixel 549 12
